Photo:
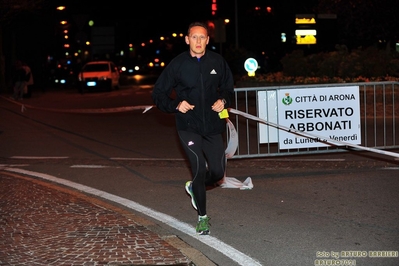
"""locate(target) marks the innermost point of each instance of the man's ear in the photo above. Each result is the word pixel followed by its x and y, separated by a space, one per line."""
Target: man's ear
pixel 187 41
pixel 207 40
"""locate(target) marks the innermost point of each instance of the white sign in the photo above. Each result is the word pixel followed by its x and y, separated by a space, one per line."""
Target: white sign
pixel 251 65
pixel 267 110
pixel 332 113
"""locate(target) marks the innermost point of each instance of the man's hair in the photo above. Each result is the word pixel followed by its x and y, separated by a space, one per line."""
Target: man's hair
pixel 195 24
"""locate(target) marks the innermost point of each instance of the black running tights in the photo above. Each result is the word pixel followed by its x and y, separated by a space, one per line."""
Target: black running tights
pixel 206 155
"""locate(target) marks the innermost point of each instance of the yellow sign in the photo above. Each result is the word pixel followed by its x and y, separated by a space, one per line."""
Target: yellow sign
pixel 307 39
pixel 305 36
pixel 305 21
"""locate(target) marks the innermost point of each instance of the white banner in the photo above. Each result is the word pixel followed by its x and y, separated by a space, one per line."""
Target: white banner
pixel 330 112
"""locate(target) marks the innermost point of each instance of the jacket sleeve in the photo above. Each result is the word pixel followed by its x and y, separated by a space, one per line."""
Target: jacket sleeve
pixel 162 92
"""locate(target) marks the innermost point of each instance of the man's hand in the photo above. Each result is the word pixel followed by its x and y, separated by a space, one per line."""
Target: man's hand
pixel 184 107
pixel 218 106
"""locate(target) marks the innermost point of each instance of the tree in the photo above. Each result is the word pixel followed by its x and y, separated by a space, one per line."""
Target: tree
pixel 364 23
pixel 10 12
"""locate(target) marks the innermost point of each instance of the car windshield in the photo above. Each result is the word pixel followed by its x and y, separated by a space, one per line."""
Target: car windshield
pixel 96 67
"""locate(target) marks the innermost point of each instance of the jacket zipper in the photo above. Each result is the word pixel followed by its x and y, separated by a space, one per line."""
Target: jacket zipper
pixel 202 98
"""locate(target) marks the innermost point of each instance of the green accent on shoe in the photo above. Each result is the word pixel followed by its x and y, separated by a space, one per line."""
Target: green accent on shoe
pixel 202 227
pixel 189 190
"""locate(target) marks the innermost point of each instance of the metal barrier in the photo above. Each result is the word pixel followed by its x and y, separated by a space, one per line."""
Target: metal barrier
pixel 379 108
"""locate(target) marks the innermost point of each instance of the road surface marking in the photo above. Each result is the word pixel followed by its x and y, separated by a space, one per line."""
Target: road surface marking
pixel 188 229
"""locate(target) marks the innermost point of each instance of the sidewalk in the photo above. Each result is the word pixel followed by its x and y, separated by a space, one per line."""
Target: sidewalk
pixel 46 224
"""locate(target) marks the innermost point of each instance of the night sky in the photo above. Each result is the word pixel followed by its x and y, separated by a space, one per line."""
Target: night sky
pixel 148 18
pixel 139 21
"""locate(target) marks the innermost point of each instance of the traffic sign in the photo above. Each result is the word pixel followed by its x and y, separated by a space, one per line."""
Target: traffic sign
pixel 251 65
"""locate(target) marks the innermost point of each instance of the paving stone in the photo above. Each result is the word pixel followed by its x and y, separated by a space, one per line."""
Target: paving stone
pixel 42 224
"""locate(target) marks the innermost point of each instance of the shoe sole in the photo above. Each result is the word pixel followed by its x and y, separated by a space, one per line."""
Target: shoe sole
pixel 191 196
pixel 203 233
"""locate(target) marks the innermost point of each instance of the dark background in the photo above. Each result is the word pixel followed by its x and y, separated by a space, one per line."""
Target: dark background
pixel 30 30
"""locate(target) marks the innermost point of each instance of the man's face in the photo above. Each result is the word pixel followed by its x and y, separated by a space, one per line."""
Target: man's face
pixel 197 40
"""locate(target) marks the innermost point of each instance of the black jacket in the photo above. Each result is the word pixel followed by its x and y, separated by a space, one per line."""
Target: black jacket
pixel 199 82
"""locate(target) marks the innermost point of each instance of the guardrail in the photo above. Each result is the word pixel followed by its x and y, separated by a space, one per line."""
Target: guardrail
pixel 379 111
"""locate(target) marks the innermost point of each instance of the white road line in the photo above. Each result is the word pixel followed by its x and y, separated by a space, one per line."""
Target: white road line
pixel 12 165
pixel 166 159
pixel 89 166
pixel 211 241
pixel 39 157
pixel 306 160
pixel 182 159
pixel 146 159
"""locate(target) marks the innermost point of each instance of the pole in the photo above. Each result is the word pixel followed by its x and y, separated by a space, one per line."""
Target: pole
pixel 236 24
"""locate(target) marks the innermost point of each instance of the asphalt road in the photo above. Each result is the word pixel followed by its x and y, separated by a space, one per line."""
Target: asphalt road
pixel 303 210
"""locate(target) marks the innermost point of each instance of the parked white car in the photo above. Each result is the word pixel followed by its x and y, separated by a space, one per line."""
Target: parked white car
pixel 99 75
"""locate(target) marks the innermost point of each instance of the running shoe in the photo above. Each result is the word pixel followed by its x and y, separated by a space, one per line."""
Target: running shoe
pixel 202 227
pixel 189 190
